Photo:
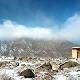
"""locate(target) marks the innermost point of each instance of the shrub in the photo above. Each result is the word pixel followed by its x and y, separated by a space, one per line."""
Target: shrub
pixel 5 77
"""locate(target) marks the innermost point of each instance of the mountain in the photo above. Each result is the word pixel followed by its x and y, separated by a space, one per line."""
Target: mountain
pixel 41 48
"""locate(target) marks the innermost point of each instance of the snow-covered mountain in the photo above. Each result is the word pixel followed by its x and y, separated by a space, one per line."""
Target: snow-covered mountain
pixel 43 48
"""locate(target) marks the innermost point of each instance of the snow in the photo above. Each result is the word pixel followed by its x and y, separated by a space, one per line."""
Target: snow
pixel 60 77
pixel 4 58
pixel 67 74
pixel 42 74
pixel 13 74
pixel 27 63
pixel 74 73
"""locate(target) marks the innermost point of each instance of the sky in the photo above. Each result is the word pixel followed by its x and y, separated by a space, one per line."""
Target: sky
pixel 40 19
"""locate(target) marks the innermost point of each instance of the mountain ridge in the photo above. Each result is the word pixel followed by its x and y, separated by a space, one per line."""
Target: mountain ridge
pixel 41 48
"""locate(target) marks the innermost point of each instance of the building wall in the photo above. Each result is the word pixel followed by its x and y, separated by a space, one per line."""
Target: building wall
pixel 74 53
pixel 78 53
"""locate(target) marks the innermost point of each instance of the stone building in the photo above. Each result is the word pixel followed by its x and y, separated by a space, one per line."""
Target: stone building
pixel 76 52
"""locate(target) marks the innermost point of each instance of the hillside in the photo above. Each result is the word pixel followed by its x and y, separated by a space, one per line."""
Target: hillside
pixel 42 48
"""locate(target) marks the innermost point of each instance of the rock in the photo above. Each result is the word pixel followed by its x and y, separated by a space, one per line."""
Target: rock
pixel 23 65
pixel 44 67
pixel 2 64
pixel 47 66
pixel 17 64
pixel 27 73
pixel 55 66
pixel 43 76
pixel 68 64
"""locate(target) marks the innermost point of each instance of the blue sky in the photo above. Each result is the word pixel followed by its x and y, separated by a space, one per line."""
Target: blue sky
pixel 34 12
pixel 51 18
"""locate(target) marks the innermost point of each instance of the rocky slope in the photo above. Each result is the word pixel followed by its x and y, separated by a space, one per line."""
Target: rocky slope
pixel 41 48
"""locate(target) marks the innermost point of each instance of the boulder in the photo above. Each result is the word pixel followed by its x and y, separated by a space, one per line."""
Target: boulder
pixel 55 66
pixel 2 64
pixel 43 76
pixel 44 67
pixel 69 64
pixel 17 63
pixel 47 66
pixel 27 73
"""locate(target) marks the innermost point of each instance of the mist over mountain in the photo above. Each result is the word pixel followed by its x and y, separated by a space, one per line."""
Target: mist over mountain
pixel 41 48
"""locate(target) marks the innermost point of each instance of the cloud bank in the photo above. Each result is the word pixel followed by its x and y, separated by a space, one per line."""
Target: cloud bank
pixel 70 30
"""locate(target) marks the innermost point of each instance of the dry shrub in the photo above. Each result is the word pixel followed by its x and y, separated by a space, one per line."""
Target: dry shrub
pixel 5 77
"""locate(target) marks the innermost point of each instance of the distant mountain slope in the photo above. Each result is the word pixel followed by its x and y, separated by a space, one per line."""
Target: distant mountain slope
pixel 41 48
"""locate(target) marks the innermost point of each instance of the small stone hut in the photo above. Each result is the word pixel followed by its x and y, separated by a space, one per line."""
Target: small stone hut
pixel 76 52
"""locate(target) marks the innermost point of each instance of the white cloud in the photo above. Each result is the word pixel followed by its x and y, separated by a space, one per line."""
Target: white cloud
pixel 70 30
pixel 11 30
